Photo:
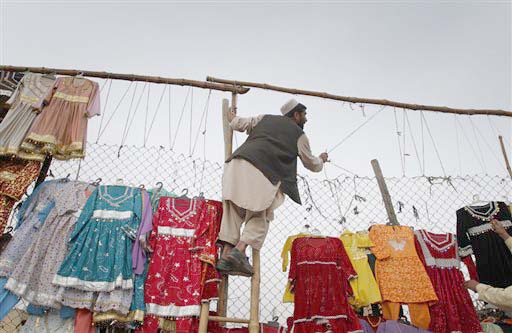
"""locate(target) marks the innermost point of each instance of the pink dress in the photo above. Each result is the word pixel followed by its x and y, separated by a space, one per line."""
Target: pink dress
pixel 455 311
pixel 319 274
pixel 61 128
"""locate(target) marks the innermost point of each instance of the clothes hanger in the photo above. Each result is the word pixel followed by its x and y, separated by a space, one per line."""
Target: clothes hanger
pixel 159 186
pixel 119 181
pixel 184 194
pixel 305 229
pixel 200 196
pixel 477 202
pixel 96 182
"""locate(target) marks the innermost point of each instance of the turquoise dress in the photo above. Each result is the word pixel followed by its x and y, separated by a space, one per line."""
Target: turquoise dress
pixel 100 247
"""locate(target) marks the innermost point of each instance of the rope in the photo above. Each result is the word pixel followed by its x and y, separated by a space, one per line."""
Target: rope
pixel 493 127
pixel 104 107
pixel 399 144
pixel 477 143
pixel 489 146
pixel 354 131
pixel 181 117
pixel 205 111
pixel 422 143
pixel 191 122
pixel 146 116
pixel 404 137
pixel 471 146
pixel 457 143
pixel 154 115
pixel 115 110
pixel 129 121
pixel 170 128
pixel 433 143
pixel 414 143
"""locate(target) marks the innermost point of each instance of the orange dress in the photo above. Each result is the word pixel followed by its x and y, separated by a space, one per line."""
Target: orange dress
pixel 400 273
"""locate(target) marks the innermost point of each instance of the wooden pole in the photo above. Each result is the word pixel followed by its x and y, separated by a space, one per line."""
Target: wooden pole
pixel 504 152
pixel 385 193
pixel 44 170
pixel 254 318
pixel 359 100
pixel 128 77
pixel 204 317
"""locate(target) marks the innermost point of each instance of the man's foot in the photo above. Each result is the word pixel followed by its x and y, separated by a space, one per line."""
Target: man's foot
pixel 236 263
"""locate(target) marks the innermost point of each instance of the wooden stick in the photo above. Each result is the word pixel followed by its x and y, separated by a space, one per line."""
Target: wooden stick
pixel 128 77
pixel 385 193
pixel 254 318
pixel 409 106
pixel 204 317
pixel 504 152
pixel 44 170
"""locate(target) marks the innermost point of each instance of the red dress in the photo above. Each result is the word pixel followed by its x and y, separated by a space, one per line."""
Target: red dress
pixel 173 283
pixel 455 311
pixel 319 274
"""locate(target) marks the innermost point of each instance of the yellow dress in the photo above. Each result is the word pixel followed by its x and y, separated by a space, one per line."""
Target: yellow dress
pixel 288 296
pixel 365 287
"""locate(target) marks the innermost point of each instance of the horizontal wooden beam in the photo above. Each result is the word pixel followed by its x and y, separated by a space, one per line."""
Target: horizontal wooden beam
pixel 129 77
pixel 358 100
pixel 228 320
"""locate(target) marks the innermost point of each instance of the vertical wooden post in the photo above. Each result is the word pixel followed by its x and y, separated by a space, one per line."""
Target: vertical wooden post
pixel 204 316
pixel 385 193
pixel 504 152
pixel 254 318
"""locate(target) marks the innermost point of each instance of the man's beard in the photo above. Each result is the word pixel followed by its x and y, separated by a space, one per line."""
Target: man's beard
pixel 301 125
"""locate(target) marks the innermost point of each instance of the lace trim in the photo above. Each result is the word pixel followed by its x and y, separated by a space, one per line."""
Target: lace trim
pixel 37 298
pixel 303 320
pixel 102 214
pixel 429 258
pixel 181 216
pixel 483 228
pixel 71 98
pixel 176 231
pixel 487 216
pixel 69 281
pixel 465 251
pixel 173 310
pixel 441 246
pixel 115 202
pixel 29 99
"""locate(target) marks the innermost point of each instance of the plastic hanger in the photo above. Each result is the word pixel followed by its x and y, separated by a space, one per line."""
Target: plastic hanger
pixel 184 194
pixel 477 202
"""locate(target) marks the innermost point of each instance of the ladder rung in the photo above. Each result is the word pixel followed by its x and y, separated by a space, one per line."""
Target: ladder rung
pixel 229 320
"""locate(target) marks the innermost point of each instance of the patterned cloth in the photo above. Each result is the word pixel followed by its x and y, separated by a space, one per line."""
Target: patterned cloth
pixel 400 273
pixel 61 128
pixel 319 272
pixel 26 102
pixel 455 311
pixel 8 83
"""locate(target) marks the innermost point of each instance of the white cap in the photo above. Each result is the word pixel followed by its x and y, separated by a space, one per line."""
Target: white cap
pixel 291 105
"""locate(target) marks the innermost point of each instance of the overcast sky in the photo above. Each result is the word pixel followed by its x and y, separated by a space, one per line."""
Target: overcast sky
pixel 455 53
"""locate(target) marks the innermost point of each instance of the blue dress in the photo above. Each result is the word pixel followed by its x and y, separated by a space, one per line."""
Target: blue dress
pixel 100 247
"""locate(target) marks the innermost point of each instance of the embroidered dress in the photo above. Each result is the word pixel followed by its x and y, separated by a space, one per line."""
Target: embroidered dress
pixel 173 284
pixel 455 311
pixel 26 102
pixel 400 273
pixel 366 290
pixel 319 273
pixel 33 275
pixel 15 177
pixel 8 83
pixel 475 236
pixel 61 128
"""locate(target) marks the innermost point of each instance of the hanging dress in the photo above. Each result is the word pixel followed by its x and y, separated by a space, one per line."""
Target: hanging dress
pixel 97 272
pixel 8 83
pixel 33 275
pixel 365 287
pixel 26 102
pixel 173 284
pixel 475 236
pixel 319 274
pixel 455 311
pixel 15 177
pixel 61 128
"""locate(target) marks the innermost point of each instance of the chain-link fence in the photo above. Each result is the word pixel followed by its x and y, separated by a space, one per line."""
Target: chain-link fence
pixel 331 206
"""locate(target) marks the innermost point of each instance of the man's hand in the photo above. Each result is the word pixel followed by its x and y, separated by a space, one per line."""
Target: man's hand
pixel 231 116
pixel 499 229
pixel 471 285
pixel 324 157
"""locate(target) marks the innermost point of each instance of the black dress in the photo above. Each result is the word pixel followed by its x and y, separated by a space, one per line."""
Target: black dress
pixel 475 236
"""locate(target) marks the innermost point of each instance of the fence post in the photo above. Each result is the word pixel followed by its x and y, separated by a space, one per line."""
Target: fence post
pixel 385 193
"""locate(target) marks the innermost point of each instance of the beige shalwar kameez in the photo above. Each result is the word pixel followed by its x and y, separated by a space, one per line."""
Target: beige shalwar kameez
pixel 249 197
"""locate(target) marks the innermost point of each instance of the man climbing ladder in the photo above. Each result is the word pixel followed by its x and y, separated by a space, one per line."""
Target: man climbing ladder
pixel 256 178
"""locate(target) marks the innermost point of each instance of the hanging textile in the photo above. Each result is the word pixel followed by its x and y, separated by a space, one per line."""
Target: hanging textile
pixel 288 296
pixel 8 83
pixel 33 275
pixel 366 290
pixel 401 275
pixel 319 273
pixel 26 102
pixel 49 322
pixel 61 128
pixel 455 311
pixel 475 236
pixel 97 272
pixel 15 177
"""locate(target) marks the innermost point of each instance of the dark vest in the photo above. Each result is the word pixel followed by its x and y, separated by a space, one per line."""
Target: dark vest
pixel 272 148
